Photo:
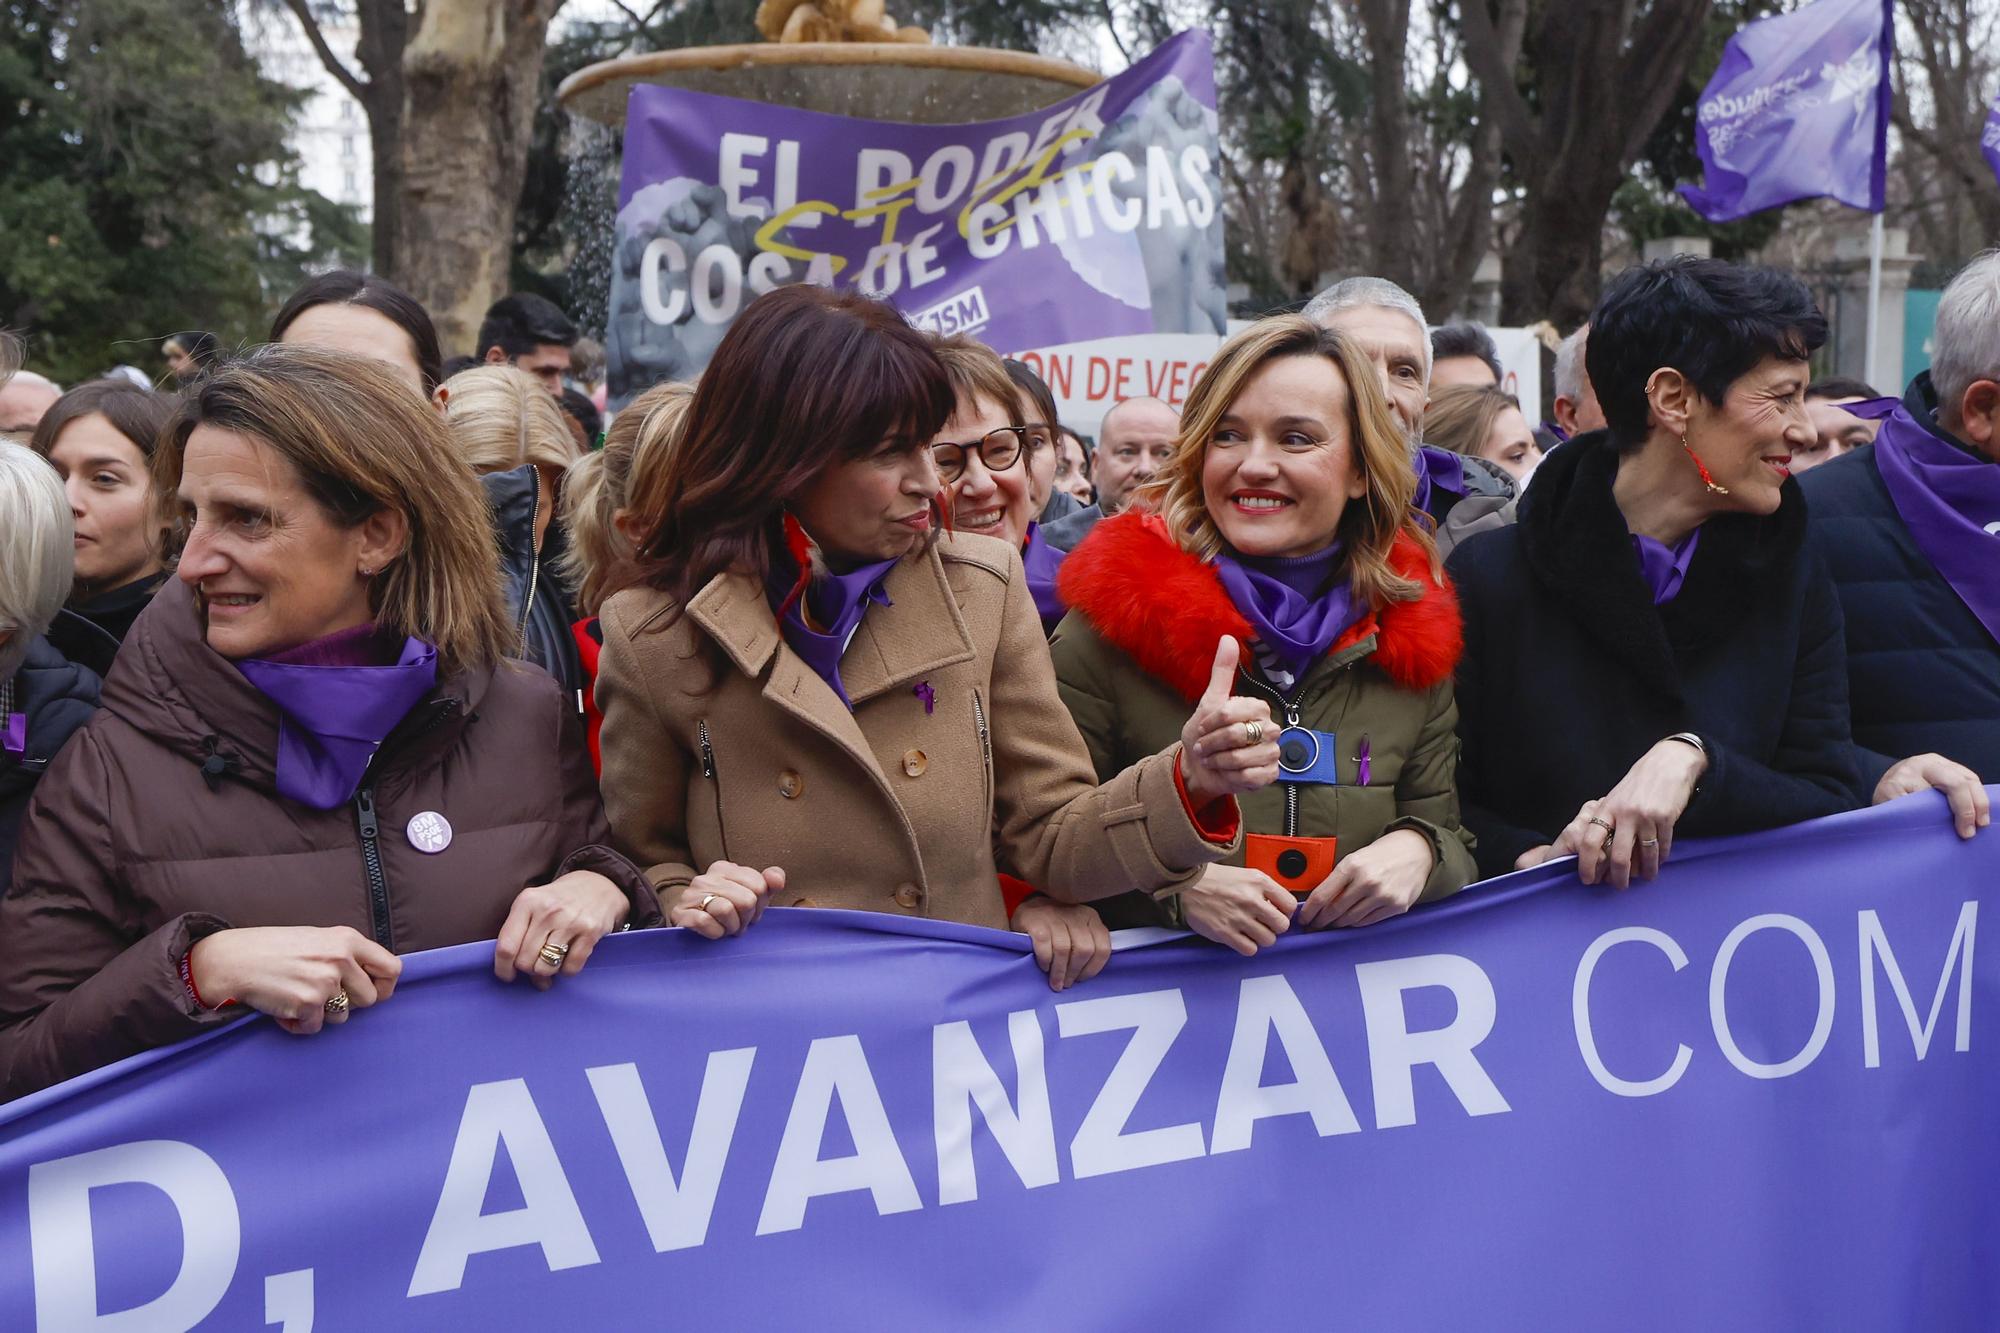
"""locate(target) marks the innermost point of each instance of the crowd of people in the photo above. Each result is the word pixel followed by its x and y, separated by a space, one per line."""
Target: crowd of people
pixel 339 649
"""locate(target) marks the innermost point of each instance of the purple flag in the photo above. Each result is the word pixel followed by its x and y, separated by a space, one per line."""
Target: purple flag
pixel 1989 142
pixel 1799 108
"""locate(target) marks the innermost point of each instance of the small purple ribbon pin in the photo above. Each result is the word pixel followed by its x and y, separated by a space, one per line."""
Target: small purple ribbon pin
pixel 924 692
pixel 1361 763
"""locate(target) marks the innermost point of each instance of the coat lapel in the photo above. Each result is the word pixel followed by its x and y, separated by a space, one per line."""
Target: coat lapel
pixel 921 631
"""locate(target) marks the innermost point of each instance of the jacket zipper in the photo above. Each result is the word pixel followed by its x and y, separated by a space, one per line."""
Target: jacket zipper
pixel 534 566
pixel 708 771
pixel 371 860
pixel 371 830
pixel 1291 710
pixel 985 747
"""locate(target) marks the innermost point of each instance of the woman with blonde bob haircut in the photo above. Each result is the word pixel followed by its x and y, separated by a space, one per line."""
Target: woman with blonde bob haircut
pixel 508 428
pixel 310 757
pixel 1284 521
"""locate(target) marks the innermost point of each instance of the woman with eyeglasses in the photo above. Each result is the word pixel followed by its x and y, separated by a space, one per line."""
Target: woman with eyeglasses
pixel 1283 522
pixel 812 698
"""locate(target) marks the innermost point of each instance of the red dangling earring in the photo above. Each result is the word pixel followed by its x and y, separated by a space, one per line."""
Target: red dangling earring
pixel 1702 468
pixel 941 506
pixel 799 545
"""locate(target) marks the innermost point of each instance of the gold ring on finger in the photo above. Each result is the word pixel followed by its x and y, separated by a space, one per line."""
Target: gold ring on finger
pixel 706 901
pixel 1604 823
pixel 553 953
pixel 1253 732
pixel 338 1003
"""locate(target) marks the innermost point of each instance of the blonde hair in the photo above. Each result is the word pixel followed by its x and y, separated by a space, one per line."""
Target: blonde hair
pixel 1368 526
pixel 501 418
pixel 626 473
pixel 1461 418
pixel 361 443
pixel 37 556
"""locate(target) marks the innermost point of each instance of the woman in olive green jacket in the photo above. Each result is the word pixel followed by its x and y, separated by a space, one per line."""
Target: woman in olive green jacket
pixel 1284 522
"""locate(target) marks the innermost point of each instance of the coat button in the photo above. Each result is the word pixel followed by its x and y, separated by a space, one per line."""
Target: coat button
pixel 790 785
pixel 914 763
pixel 909 897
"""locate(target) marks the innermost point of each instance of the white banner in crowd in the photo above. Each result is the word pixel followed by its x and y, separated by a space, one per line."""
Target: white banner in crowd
pixel 1089 378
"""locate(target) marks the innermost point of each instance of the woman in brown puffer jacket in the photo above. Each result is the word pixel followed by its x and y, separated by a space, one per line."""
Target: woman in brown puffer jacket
pixel 311 755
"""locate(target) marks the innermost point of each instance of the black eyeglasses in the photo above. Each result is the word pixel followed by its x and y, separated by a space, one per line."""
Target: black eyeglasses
pixel 997 449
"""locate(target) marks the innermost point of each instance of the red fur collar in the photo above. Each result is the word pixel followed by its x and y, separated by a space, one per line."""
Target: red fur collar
pixel 1166 609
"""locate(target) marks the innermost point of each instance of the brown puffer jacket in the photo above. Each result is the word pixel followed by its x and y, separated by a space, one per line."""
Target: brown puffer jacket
pixel 160 823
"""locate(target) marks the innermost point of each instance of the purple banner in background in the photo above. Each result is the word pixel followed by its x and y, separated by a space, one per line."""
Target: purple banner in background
pixel 1097 216
pixel 1750 1095
pixel 1798 108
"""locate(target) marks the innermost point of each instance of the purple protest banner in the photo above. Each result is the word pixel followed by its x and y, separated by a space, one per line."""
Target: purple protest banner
pixel 1748 1095
pixel 1096 217
pixel 1798 108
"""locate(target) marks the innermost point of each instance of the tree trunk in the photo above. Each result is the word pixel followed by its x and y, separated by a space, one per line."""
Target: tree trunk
pixel 471 75
pixel 1385 28
pixel 385 31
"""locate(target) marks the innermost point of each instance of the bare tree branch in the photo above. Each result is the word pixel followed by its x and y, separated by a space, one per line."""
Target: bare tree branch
pixel 334 64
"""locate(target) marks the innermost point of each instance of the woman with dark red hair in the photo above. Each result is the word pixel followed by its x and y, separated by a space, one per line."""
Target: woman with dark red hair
pixel 810 699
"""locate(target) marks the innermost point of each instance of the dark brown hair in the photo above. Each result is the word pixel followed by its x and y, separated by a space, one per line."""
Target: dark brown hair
pixel 346 286
pixel 140 415
pixel 805 379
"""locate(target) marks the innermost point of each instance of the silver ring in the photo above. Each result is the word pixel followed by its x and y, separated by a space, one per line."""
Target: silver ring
pixel 1253 732
pixel 338 1003
pixel 706 901
pixel 1649 842
pixel 1604 823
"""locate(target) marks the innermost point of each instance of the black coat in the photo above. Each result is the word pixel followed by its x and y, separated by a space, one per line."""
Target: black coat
pixel 537 600
pixel 58 697
pixel 1923 672
pixel 1570 672
pixel 89 631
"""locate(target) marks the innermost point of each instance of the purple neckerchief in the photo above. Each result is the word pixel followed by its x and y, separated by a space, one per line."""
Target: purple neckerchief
pixel 1664 567
pixel 1561 435
pixel 338 699
pixel 1436 467
pixel 1042 561
pixel 838 602
pixel 1298 606
pixel 1949 498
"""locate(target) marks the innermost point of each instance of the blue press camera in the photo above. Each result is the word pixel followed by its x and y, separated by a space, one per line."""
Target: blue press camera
pixel 1305 755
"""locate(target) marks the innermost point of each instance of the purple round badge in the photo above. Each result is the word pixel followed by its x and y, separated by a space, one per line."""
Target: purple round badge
pixel 429 832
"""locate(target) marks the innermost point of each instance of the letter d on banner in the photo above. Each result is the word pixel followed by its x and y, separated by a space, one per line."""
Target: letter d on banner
pixel 65 1251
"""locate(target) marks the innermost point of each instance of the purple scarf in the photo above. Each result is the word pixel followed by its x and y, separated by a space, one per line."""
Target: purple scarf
pixel 1436 467
pixel 338 699
pixel 13 725
pixel 1664 567
pixel 1298 606
pixel 1948 496
pixel 838 602
pixel 1042 561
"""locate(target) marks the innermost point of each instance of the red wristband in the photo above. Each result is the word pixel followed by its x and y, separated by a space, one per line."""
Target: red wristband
pixel 187 980
pixel 1218 820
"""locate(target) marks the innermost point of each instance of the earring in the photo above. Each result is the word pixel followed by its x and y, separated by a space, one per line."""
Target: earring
pixel 367 573
pixel 1702 468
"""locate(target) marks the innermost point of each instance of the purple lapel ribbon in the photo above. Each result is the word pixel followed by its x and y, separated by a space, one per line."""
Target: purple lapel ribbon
pixel 333 718
pixel 1042 561
pixel 1949 497
pixel 14 733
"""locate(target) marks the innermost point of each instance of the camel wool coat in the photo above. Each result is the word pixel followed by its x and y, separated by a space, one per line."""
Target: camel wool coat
pixel 958 747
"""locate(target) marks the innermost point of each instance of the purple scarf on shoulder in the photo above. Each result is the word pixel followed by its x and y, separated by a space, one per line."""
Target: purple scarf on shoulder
pixel 1949 498
pixel 838 602
pixel 338 699
pixel 1042 561
pixel 1297 605
pixel 1436 467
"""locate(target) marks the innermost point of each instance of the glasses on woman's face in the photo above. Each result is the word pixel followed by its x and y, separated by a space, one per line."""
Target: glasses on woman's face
pixel 997 449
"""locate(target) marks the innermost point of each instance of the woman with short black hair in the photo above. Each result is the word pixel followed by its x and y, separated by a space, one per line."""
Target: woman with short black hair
pixel 350 311
pixel 1649 651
